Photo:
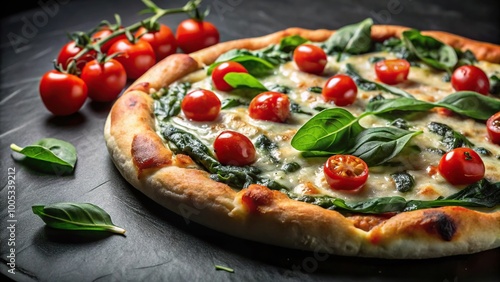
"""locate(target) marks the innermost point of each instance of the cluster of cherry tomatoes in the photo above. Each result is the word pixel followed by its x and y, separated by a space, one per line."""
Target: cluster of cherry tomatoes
pixel 97 66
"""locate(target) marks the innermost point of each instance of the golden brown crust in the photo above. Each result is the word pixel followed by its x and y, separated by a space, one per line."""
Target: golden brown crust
pixel 175 183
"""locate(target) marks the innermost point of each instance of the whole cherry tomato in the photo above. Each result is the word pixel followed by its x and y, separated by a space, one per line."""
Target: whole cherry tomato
pixel 103 33
pixel 69 51
pixel 234 148
pixel 493 128
pixel 105 80
pixel 392 71
pixel 470 78
pixel 310 58
pixel 193 35
pixel 201 105
pixel 221 70
pixel 136 57
pixel 62 94
pixel 340 89
pixel 345 172
pixel 461 166
pixel 163 41
pixel 270 106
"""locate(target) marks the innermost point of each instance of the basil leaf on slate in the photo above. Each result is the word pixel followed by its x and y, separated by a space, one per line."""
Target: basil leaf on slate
pixel 49 155
pixel 352 39
pixel 76 216
pixel 243 80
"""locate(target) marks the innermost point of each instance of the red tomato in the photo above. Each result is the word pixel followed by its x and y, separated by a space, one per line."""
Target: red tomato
pixel 345 172
pixel 310 58
pixel 62 94
pixel 234 148
pixel 493 128
pixel 340 89
pixel 221 70
pixel 136 58
pixel 103 33
pixel 461 166
pixel 392 71
pixel 470 78
pixel 201 105
pixel 68 51
pixel 193 35
pixel 270 106
pixel 105 81
pixel 163 41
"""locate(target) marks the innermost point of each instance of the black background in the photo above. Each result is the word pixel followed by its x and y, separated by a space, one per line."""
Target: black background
pixel 160 245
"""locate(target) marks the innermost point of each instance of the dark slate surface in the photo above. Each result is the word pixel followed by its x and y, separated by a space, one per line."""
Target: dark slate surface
pixel 160 245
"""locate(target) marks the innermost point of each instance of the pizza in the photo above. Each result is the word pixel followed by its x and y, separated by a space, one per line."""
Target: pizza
pixel 366 141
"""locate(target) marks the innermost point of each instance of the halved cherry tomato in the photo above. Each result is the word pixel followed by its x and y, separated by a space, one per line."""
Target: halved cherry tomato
pixel 392 71
pixel 62 94
pixel 221 70
pixel 470 78
pixel 270 106
pixel 105 81
pixel 340 89
pixel 69 51
pixel 136 57
pixel 461 166
pixel 103 33
pixel 493 128
pixel 201 105
pixel 234 148
pixel 193 35
pixel 163 41
pixel 310 58
pixel 345 172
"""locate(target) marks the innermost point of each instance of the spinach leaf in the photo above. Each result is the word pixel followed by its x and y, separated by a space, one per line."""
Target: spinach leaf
pixel 296 108
pixel 403 180
pixel 398 105
pixel 397 47
pixel 290 167
pixel 243 80
pixel 466 57
pixel 289 43
pixel 76 216
pixel 495 85
pixel 49 155
pixel 255 65
pixel 430 50
pixel 232 103
pixel 280 88
pixel 451 138
pixel 378 145
pixel 169 104
pixel 352 39
pixel 269 147
pixel 315 89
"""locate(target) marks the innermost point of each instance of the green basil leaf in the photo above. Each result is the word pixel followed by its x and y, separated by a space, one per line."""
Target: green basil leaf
pixel 495 85
pixel 232 103
pixel 330 131
pixel 352 39
pixel 402 104
pixel 253 64
pixel 378 145
pixel 49 155
pixel 243 80
pixel 470 104
pixel 289 43
pixel 466 57
pixel 76 216
pixel 430 50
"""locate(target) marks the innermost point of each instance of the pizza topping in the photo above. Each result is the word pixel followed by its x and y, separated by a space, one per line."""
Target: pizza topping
pixel 392 71
pixel 470 78
pixel 221 70
pixel 340 89
pixel 234 148
pixel 345 172
pixel 310 58
pixel 403 181
pixel 201 105
pixel 451 138
pixel 270 106
pixel 493 128
pixel 351 39
pixel 461 166
pixel 146 154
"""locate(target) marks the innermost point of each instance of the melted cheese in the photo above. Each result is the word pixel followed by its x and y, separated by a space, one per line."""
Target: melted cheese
pixel 423 82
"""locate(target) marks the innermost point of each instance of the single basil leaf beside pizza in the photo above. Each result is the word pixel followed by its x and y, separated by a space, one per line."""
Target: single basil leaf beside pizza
pixel 352 39
pixel 49 155
pixel 243 80
pixel 76 216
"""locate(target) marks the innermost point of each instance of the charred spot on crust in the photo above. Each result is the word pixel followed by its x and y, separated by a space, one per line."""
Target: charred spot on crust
pixel 147 154
pixel 436 222
pixel 256 196
pixel 132 101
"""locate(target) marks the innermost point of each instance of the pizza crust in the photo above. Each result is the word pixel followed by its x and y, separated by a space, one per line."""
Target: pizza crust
pixel 172 181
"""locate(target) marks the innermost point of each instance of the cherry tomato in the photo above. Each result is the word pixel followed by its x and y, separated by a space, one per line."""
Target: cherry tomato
pixel 221 70
pixel 493 128
pixel 470 78
pixel 163 41
pixel 345 172
pixel 461 166
pixel 62 94
pixel 201 105
pixel 105 81
pixel 340 89
pixel 68 51
pixel 103 33
pixel 136 58
pixel 270 106
pixel 310 58
pixel 234 148
pixel 193 35
pixel 392 71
